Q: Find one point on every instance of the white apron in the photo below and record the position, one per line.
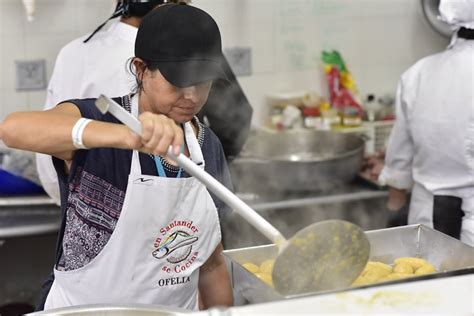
(167, 229)
(421, 212)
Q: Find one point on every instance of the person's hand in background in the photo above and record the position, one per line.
(372, 166)
(397, 207)
(396, 199)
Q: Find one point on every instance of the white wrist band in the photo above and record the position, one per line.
(77, 131)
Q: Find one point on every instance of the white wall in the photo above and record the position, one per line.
(56, 23)
(379, 39)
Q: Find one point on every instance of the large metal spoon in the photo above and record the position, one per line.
(326, 255)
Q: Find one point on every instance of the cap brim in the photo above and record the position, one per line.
(191, 72)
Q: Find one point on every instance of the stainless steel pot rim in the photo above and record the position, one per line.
(302, 161)
(97, 308)
(331, 158)
(298, 156)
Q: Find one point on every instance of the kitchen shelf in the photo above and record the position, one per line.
(318, 200)
(26, 200)
(22, 216)
(357, 190)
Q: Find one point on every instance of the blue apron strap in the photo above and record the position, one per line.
(159, 167)
(161, 170)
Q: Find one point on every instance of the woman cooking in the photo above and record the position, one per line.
(136, 228)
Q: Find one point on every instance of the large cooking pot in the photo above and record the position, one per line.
(302, 160)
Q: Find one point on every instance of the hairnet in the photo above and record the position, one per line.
(457, 13)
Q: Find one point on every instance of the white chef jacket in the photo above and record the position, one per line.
(432, 142)
(431, 147)
(86, 70)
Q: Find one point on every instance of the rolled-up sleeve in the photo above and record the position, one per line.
(397, 171)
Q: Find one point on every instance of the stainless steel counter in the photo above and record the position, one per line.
(28, 234)
(8, 201)
(444, 296)
(28, 216)
(354, 191)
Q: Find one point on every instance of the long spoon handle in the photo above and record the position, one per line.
(106, 104)
(229, 198)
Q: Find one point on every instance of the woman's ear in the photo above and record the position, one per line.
(138, 69)
(140, 66)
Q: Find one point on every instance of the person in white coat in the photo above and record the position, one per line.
(91, 65)
(431, 148)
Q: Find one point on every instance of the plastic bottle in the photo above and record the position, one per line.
(351, 117)
(312, 117)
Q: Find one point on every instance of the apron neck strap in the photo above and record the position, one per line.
(194, 148)
(466, 33)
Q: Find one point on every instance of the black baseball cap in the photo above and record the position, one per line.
(183, 42)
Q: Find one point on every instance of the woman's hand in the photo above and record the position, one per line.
(158, 133)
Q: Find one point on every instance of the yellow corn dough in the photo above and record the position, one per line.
(379, 266)
(414, 262)
(403, 268)
(265, 277)
(372, 272)
(406, 267)
(251, 267)
(395, 276)
(361, 281)
(425, 269)
(267, 266)
(376, 270)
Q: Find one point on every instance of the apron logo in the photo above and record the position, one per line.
(172, 244)
(176, 246)
(143, 181)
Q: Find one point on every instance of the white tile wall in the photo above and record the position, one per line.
(14, 49)
(379, 39)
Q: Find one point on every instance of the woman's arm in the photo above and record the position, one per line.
(50, 131)
(214, 282)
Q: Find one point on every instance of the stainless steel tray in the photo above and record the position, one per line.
(444, 252)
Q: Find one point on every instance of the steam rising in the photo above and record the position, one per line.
(369, 214)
